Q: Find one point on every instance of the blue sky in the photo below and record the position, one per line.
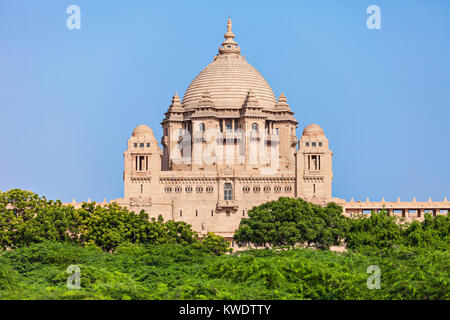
(69, 99)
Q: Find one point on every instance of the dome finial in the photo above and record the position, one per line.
(229, 25)
(229, 45)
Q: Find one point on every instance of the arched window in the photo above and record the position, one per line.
(227, 191)
(255, 127)
(202, 127)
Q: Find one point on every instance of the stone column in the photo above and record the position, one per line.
(420, 213)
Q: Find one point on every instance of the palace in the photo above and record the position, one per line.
(229, 145)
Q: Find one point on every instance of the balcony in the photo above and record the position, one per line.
(313, 172)
(225, 204)
(140, 174)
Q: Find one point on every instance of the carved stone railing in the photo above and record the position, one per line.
(223, 204)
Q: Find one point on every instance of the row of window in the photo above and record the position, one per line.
(228, 128)
(188, 189)
(247, 189)
(227, 212)
(141, 145)
(227, 189)
(313, 144)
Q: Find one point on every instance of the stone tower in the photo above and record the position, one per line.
(314, 172)
(142, 165)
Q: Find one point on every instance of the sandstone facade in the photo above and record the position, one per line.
(229, 145)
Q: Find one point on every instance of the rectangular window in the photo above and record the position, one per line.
(141, 163)
(227, 191)
(141, 145)
(307, 144)
(320, 144)
(135, 145)
(276, 131)
(228, 126)
(314, 161)
(313, 144)
(228, 213)
(181, 213)
(196, 213)
(243, 213)
(148, 144)
(212, 213)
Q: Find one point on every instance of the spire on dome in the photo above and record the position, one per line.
(206, 99)
(282, 102)
(176, 104)
(229, 45)
(176, 98)
(250, 99)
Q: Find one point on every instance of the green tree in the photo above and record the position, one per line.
(289, 221)
(26, 218)
(216, 244)
(18, 209)
(179, 232)
(109, 226)
(379, 230)
(432, 232)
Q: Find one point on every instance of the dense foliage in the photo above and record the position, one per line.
(123, 255)
(174, 271)
(26, 218)
(290, 221)
(216, 244)
(383, 231)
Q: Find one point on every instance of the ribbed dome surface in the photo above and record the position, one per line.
(313, 130)
(142, 130)
(228, 80)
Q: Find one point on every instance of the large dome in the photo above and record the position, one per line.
(228, 79)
